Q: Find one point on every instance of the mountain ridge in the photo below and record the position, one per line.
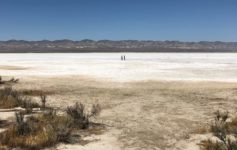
(87, 45)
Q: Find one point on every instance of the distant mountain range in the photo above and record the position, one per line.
(87, 45)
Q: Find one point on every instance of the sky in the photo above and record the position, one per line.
(182, 20)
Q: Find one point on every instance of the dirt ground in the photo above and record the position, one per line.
(163, 115)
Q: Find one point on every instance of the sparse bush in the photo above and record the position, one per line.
(79, 115)
(211, 145)
(61, 124)
(43, 100)
(35, 133)
(220, 128)
(95, 111)
(12, 80)
(223, 130)
(46, 128)
(42, 130)
(22, 127)
(10, 98)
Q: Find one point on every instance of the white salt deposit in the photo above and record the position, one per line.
(138, 66)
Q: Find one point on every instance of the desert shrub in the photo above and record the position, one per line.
(43, 100)
(220, 128)
(44, 128)
(10, 98)
(95, 110)
(47, 128)
(44, 136)
(12, 80)
(61, 125)
(79, 115)
(37, 132)
(225, 132)
(211, 145)
(22, 127)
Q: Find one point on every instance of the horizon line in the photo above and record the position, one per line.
(214, 41)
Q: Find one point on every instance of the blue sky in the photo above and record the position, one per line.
(184, 20)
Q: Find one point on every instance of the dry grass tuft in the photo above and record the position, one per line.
(79, 115)
(10, 98)
(37, 132)
(211, 145)
(48, 128)
(43, 99)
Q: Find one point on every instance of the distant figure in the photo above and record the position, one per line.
(124, 57)
(121, 57)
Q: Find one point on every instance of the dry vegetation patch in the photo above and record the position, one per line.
(48, 126)
(10, 98)
(35, 92)
(10, 81)
(224, 130)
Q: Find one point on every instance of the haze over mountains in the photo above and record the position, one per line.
(114, 46)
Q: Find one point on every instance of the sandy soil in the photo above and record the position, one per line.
(142, 115)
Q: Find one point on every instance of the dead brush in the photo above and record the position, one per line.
(12, 80)
(43, 99)
(79, 115)
(22, 127)
(45, 128)
(222, 130)
(211, 145)
(48, 128)
(95, 110)
(33, 133)
(10, 98)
